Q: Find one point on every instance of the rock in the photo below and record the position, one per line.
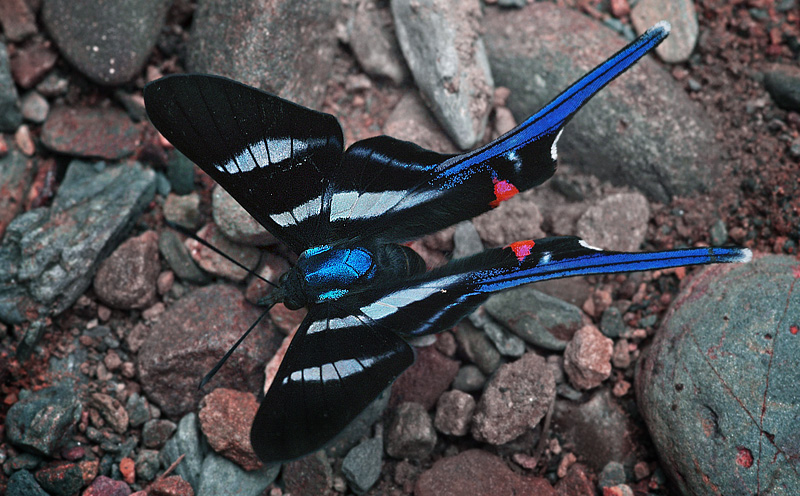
(216, 264)
(183, 210)
(219, 475)
(34, 107)
(442, 46)
(225, 418)
(32, 61)
(718, 386)
(371, 36)
(309, 475)
(477, 472)
(576, 483)
(621, 357)
(642, 130)
(362, 465)
(22, 483)
(466, 239)
(515, 399)
(611, 323)
(90, 132)
(44, 420)
(178, 258)
(506, 343)
(147, 464)
(469, 379)
(411, 120)
(410, 433)
(10, 115)
(454, 413)
(513, 220)
(229, 38)
(156, 432)
(106, 486)
(618, 222)
(100, 40)
(235, 223)
(64, 479)
(192, 336)
(536, 317)
(180, 172)
(681, 15)
(477, 347)
(127, 278)
(138, 410)
(18, 20)
(613, 474)
(186, 441)
(423, 382)
(599, 430)
(783, 84)
(111, 410)
(16, 173)
(173, 485)
(587, 358)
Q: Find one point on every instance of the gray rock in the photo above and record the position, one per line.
(513, 220)
(611, 323)
(186, 441)
(370, 34)
(22, 483)
(44, 420)
(362, 465)
(178, 258)
(469, 379)
(718, 387)
(18, 20)
(642, 130)
(16, 173)
(441, 43)
(617, 222)
(34, 107)
(156, 432)
(783, 84)
(410, 433)
(719, 233)
(183, 210)
(613, 474)
(219, 475)
(411, 120)
(180, 172)
(91, 132)
(515, 400)
(48, 256)
(681, 14)
(477, 347)
(536, 317)
(109, 41)
(506, 343)
(147, 464)
(10, 115)
(235, 223)
(466, 239)
(280, 46)
(190, 338)
(138, 410)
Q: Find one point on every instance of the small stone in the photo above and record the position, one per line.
(22, 483)
(147, 464)
(34, 107)
(587, 358)
(617, 222)
(641, 470)
(621, 388)
(410, 433)
(127, 468)
(362, 465)
(90, 132)
(18, 20)
(173, 485)
(613, 474)
(32, 61)
(156, 432)
(469, 379)
(235, 223)
(454, 413)
(423, 382)
(215, 263)
(225, 418)
(477, 347)
(43, 420)
(106, 486)
(111, 410)
(24, 141)
(566, 462)
(611, 323)
(183, 210)
(621, 357)
(309, 475)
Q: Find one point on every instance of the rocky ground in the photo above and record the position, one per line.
(668, 382)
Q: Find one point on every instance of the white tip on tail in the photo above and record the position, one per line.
(588, 246)
(662, 26)
(747, 255)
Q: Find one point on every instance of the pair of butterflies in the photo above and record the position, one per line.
(345, 212)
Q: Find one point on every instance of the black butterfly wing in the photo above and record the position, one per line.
(397, 191)
(335, 366)
(273, 156)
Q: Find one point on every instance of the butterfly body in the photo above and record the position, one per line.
(346, 214)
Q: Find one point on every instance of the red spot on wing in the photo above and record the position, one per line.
(503, 190)
(744, 458)
(522, 248)
(794, 329)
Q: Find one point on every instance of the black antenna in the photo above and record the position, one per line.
(232, 348)
(189, 233)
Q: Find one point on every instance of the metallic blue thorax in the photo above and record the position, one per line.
(329, 273)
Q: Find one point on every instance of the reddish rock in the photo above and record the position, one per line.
(18, 19)
(235, 223)
(106, 486)
(127, 468)
(426, 380)
(476, 472)
(112, 411)
(30, 63)
(215, 263)
(620, 8)
(309, 475)
(576, 483)
(173, 485)
(286, 320)
(587, 358)
(127, 278)
(90, 132)
(412, 121)
(189, 339)
(454, 413)
(410, 433)
(515, 400)
(63, 478)
(225, 418)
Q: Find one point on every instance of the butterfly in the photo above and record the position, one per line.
(346, 214)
